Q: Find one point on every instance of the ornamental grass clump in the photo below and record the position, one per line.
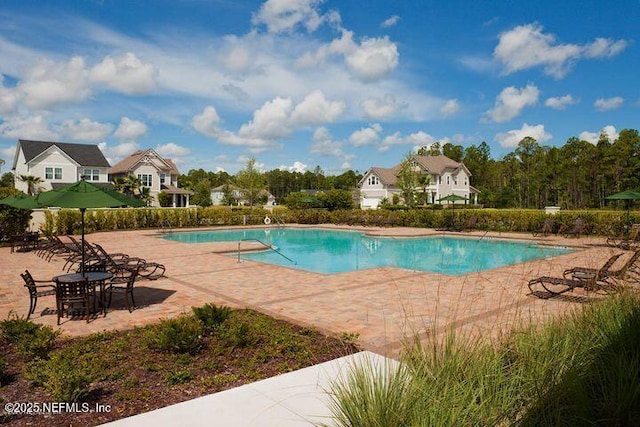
(583, 369)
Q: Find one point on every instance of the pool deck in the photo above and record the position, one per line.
(383, 306)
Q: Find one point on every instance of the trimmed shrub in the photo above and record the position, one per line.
(182, 334)
(211, 316)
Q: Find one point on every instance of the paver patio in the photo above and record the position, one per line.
(383, 305)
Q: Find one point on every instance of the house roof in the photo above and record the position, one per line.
(438, 164)
(127, 165)
(387, 175)
(172, 189)
(83, 154)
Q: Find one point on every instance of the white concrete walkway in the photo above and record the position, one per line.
(298, 398)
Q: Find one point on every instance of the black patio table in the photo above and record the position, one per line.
(94, 278)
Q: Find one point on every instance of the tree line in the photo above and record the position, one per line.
(576, 175)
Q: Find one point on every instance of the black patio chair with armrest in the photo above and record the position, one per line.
(74, 297)
(597, 282)
(36, 288)
(125, 288)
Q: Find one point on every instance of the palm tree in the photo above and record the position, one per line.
(32, 183)
(128, 185)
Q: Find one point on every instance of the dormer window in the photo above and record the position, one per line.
(373, 180)
(162, 178)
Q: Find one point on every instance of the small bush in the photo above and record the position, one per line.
(64, 376)
(180, 376)
(211, 316)
(38, 344)
(30, 339)
(180, 335)
(240, 335)
(15, 328)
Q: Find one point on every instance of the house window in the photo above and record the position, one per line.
(91, 174)
(448, 180)
(145, 179)
(162, 178)
(465, 181)
(53, 173)
(455, 181)
(440, 180)
(373, 180)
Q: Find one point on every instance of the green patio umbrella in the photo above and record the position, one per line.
(20, 201)
(80, 195)
(627, 196)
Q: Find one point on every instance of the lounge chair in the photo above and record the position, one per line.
(36, 290)
(590, 282)
(146, 269)
(547, 228)
(579, 228)
(628, 242)
(621, 274)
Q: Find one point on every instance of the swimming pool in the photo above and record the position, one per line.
(336, 251)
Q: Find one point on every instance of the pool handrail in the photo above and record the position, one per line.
(268, 246)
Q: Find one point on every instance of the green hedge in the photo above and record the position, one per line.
(598, 222)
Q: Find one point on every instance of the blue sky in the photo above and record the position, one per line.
(300, 83)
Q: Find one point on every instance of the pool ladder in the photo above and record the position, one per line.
(266, 245)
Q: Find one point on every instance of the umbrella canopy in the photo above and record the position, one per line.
(451, 198)
(20, 201)
(624, 195)
(627, 195)
(81, 195)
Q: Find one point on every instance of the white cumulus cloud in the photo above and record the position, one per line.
(126, 74)
(560, 102)
(49, 83)
(416, 139)
(370, 59)
(366, 136)
(527, 46)
(286, 15)
(381, 108)
(511, 101)
(207, 122)
(32, 127)
(85, 130)
(390, 22)
(449, 107)
(323, 144)
(171, 149)
(296, 167)
(607, 104)
(513, 137)
(315, 109)
(130, 130)
(609, 131)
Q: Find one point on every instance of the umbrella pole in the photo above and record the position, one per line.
(82, 210)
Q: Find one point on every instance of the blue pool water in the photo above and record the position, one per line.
(333, 251)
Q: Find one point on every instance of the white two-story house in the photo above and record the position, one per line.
(155, 172)
(57, 164)
(446, 177)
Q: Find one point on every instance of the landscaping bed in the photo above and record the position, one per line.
(113, 375)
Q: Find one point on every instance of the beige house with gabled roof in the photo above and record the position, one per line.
(155, 172)
(446, 177)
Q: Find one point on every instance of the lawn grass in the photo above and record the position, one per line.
(583, 369)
